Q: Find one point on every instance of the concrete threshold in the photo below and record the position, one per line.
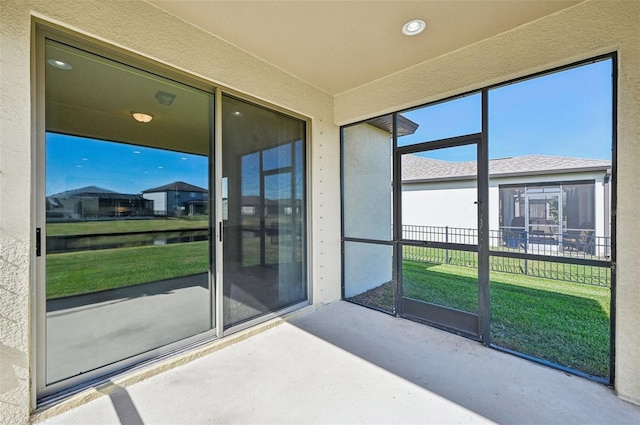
(345, 364)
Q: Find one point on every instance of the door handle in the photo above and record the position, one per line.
(38, 242)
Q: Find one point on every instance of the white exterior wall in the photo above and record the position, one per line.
(602, 219)
(583, 31)
(367, 204)
(367, 183)
(146, 30)
(159, 201)
(440, 204)
(366, 266)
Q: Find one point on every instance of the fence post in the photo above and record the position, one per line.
(526, 244)
(446, 239)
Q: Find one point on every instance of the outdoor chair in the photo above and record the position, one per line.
(580, 240)
(516, 234)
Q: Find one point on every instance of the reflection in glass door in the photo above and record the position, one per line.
(439, 242)
(264, 268)
(126, 213)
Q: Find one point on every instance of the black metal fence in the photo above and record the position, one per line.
(574, 244)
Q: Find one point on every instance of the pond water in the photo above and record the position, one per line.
(87, 242)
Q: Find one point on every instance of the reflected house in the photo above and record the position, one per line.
(275, 217)
(272, 207)
(178, 199)
(555, 203)
(92, 202)
(251, 206)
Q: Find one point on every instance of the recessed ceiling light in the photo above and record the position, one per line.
(141, 117)
(59, 64)
(237, 113)
(414, 27)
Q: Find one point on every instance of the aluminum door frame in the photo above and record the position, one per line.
(471, 325)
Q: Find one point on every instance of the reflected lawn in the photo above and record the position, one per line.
(84, 272)
(126, 225)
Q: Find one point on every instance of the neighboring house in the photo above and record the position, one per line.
(526, 193)
(95, 202)
(177, 199)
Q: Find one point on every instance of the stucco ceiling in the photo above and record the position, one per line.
(340, 45)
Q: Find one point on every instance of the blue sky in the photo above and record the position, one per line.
(566, 114)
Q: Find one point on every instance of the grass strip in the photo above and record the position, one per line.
(84, 272)
(125, 226)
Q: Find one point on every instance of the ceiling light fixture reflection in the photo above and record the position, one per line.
(59, 64)
(414, 27)
(141, 117)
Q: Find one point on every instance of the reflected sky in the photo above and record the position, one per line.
(76, 162)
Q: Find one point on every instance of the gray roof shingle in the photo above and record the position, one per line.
(93, 192)
(416, 167)
(176, 186)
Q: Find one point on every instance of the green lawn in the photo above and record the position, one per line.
(563, 322)
(83, 272)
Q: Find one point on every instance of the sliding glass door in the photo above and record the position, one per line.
(127, 212)
(264, 267)
(137, 255)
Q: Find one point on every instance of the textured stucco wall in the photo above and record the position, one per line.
(367, 207)
(583, 31)
(144, 29)
(367, 183)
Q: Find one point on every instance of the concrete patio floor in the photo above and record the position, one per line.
(345, 364)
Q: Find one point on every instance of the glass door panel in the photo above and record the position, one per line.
(127, 213)
(264, 267)
(439, 244)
